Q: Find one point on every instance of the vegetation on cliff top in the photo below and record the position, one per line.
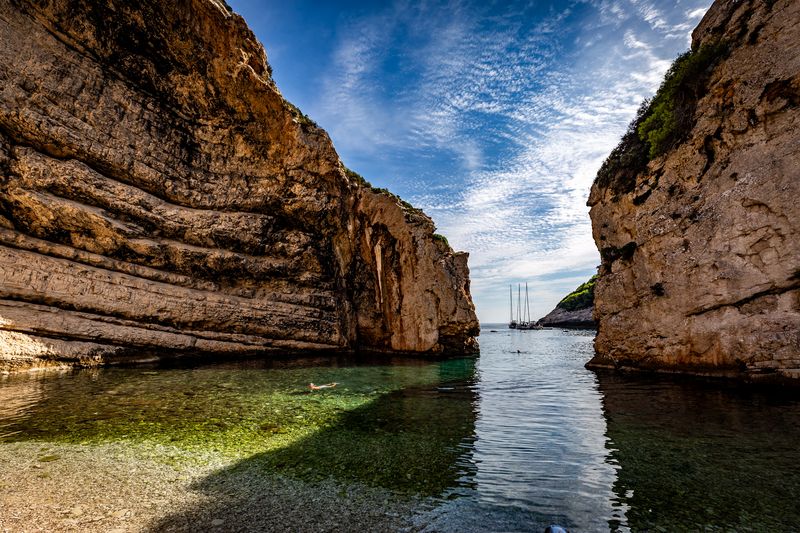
(441, 238)
(301, 117)
(663, 121)
(354, 176)
(580, 298)
(670, 116)
(409, 209)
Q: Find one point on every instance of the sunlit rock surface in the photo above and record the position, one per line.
(701, 257)
(158, 196)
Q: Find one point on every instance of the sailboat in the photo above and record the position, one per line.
(523, 319)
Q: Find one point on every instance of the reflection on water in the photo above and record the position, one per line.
(540, 439)
(703, 456)
(523, 437)
(17, 397)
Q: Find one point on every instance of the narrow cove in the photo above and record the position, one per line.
(519, 438)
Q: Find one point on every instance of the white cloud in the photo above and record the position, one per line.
(696, 13)
(525, 120)
(632, 42)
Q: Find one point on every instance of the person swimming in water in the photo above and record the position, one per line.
(319, 387)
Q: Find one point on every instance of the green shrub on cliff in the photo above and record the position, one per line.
(628, 159)
(441, 238)
(663, 121)
(301, 117)
(670, 116)
(354, 176)
(580, 298)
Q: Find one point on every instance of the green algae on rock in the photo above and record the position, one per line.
(383, 426)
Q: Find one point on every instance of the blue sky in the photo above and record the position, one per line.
(491, 116)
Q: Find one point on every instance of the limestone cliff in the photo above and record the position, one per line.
(701, 245)
(159, 196)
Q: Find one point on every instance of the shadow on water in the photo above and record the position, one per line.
(703, 456)
(389, 433)
(412, 442)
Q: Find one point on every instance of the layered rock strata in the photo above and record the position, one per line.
(701, 251)
(158, 196)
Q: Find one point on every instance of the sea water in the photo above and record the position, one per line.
(519, 438)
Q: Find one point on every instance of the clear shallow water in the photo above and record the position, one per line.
(522, 437)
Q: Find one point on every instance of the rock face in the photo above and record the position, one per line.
(159, 196)
(562, 318)
(701, 251)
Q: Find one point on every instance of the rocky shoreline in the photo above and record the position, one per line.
(121, 488)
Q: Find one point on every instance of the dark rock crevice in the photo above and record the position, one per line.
(738, 304)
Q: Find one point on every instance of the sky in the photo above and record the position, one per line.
(493, 117)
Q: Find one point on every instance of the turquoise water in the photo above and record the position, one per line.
(520, 438)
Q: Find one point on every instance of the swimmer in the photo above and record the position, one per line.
(319, 387)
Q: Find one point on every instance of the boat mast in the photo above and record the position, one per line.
(527, 304)
(519, 303)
